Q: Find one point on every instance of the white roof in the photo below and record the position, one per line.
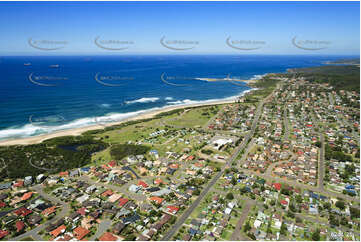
(257, 223)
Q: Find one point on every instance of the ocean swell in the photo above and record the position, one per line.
(29, 130)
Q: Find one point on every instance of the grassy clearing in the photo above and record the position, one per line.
(194, 117)
(101, 156)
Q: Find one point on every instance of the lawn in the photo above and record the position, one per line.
(226, 234)
(103, 155)
(27, 239)
(193, 117)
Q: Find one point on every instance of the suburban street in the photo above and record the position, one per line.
(237, 235)
(321, 164)
(172, 231)
(102, 228)
(65, 208)
(301, 185)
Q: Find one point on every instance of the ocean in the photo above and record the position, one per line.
(44, 94)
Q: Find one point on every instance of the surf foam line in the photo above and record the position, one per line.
(30, 130)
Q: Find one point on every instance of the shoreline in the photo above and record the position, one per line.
(147, 114)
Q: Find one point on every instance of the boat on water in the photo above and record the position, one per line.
(54, 66)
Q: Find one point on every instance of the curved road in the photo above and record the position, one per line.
(64, 212)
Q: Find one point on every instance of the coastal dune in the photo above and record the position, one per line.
(79, 131)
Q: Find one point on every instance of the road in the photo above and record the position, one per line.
(102, 228)
(171, 232)
(344, 123)
(285, 123)
(237, 235)
(246, 210)
(301, 185)
(273, 165)
(64, 212)
(321, 164)
(245, 154)
(122, 189)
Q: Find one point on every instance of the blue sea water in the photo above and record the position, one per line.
(43, 94)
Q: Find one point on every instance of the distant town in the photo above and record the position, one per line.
(279, 163)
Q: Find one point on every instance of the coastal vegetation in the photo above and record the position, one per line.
(115, 142)
(345, 77)
(121, 151)
(50, 156)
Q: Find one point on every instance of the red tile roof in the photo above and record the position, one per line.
(49, 211)
(3, 233)
(59, 230)
(284, 202)
(174, 166)
(112, 163)
(64, 173)
(19, 226)
(107, 237)
(191, 157)
(172, 209)
(106, 167)
(22, 212)
(156, 199)
(26, 196)
(81, 211)
(122, 201)
(2, 204)
(143, 184)
(19, 184)
(158, 181)
(277, 186)
(80, 232)
(107, 193)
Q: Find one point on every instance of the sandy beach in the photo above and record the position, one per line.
(78, 131)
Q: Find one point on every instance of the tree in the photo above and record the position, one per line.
(316, 235)
(299, 199)
(251, 235)
(334, 221)
(327, 206)
(340, 204)
(243, 190)
(196, 192)
(234, 181)
(355, 212)
(290, 214)
(229, 196)
(292, 208)
(246, 227)
(283, 229)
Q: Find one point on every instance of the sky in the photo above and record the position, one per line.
(74, 28)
